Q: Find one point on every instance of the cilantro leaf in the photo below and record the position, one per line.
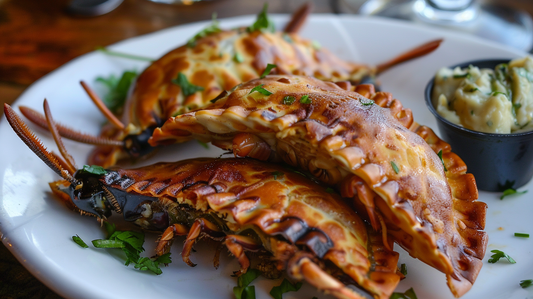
(261, 90)
(498, 255)
(94, 169)
(262, 23)
(440, 156)
(242, 290)
(305, 99)
(284, 287)
(117, 89)
(288, 100)
(409, 294)
(245, 279)
(79, 241)
(526, 283)
(394, 167)
(186, 87)
(123, 55)
(268, 69)
(511, 191)
(212, 28)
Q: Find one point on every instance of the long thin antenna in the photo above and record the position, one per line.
(53, 129)
(27, 136)
(66, 132)
(102, 107)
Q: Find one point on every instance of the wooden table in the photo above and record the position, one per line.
(36, 37)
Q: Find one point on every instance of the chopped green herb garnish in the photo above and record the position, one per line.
(267, 70)
(366, 102)
(94, 169)
(276, 174)
(521, 235)
(498, 255)
(238, 57)
(131, 243)
(409, 294)
(394, 167)
(458, 76)
(285, 286)
(305, 99)
(495, 93)
(471, 112)
(526, 283)
(261, 90)
(473, 89)
(242, 290)
(489, 123)
(330, 190)
(440, 156)
(186, 87)
(110, 228)
(212, 28)
(205, 145)
(108, 243)
(123, 55)
(79, 241)
(511, 191)
(117, 90)
(403, 269)
(288, 100)
(263, 23)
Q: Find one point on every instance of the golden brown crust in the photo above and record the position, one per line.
(340, 134)
(248, 193)
(211, 64)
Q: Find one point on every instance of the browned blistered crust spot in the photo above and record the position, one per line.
(429, 199)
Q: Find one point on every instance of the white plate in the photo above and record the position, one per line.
(37, 228)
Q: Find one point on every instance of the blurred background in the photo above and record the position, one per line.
(37, 37)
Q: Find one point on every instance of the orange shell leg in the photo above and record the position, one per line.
(200, 226)
(301, 267)
(165, 241)
(236, 245)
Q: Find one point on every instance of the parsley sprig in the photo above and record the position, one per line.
(442, 160)
(117, 89)
(212, 28)
(499, 255)
(243, 290)
(262, 23)
(131, 243)
(187, 88)
(511, 191)
(79, 241)
(285, 286)
(526, 283)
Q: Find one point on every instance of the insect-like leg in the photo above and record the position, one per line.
(200, 226)
(302, 267)
(236, 245)
(252, 146)
(165, 241)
